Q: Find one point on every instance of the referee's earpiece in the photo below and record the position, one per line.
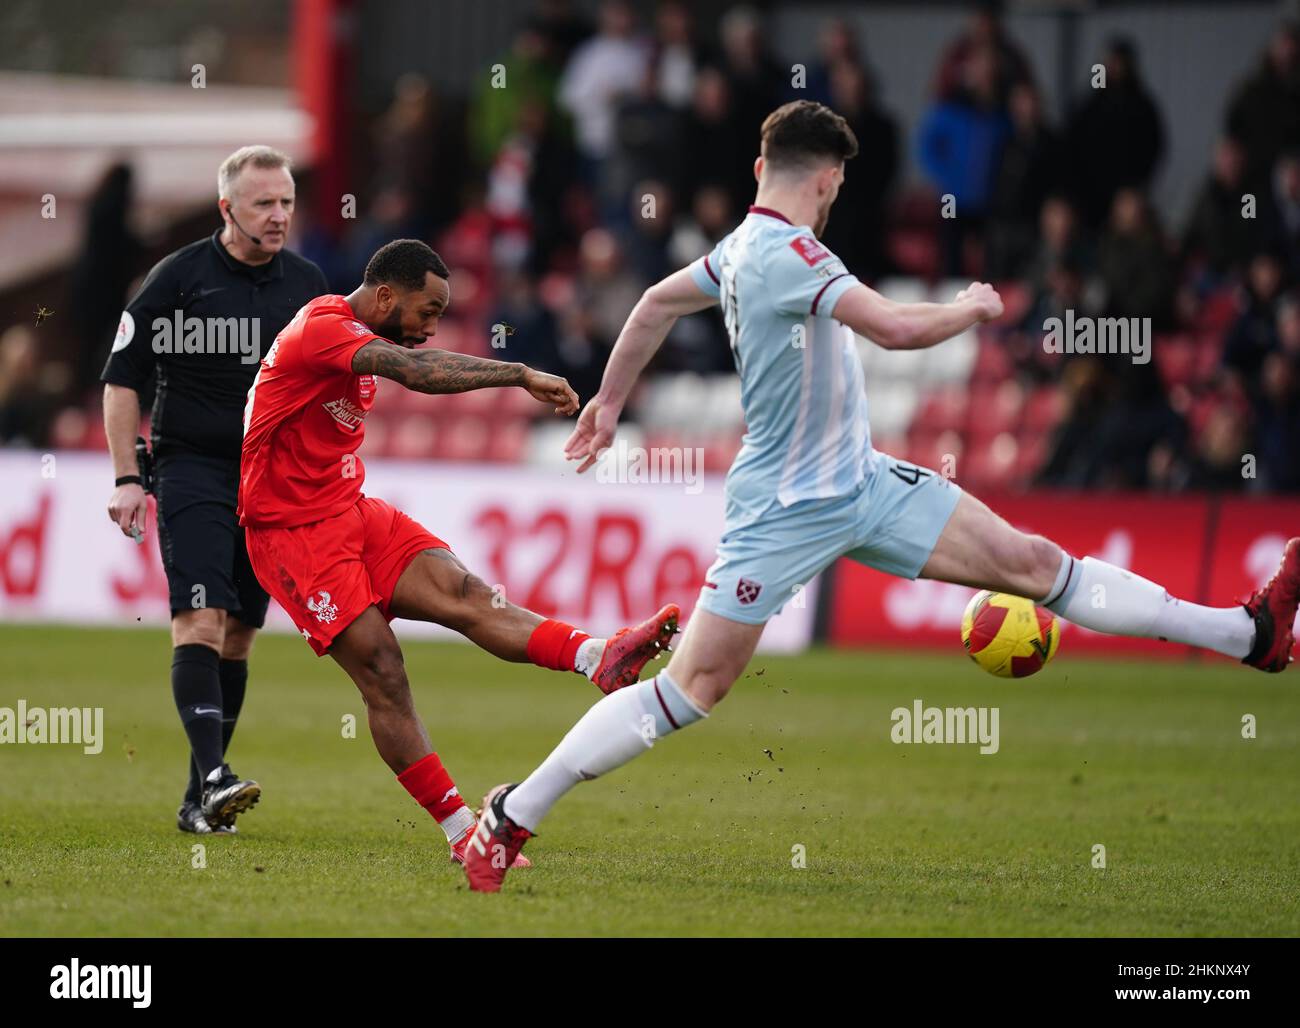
(230, 210)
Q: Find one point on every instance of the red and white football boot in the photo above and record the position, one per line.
(494, 844)
(1274, 609)
(631, 649)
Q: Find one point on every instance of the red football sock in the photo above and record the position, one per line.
(554, 645)
(431, 786)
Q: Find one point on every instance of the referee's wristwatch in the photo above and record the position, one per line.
(129, 480)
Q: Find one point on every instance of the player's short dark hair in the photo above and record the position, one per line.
(803, 132)
(404, 263)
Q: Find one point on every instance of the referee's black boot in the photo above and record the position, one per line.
(226, 795)
(190, 819)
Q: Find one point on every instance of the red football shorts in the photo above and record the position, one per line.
(324, 574)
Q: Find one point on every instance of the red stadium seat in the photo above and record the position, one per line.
(1219, 310)
(934, 449)
(508, 440)
(480, 401)
(413, 438)
(1032, 453)
(992, 362)
(915, 251)
(1175, 358)
(1044, 409)
(1209, 355)
(944, 408)
(994, 410)
(69, 428)
(463, 438)
(991, 466)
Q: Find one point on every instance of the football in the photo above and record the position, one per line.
(1009, 636)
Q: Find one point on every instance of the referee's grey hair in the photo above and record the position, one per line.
(257, 156)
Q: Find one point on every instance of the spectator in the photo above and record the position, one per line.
(1264, 113)
(1115, 138)
(1116, 419)
(960, 147)
(1133, 263)
(1277, 414)
(677, 56)
(856, 234)
(650, 216)
(603, 70)
(27, 390)
(839, 46)
(534, 339)
(1254, 333)
(722, 151)
(1030, 169)
(758, 84)
(984, 33)
(711, 218)
(552, 184)
(391, 216)
(1217, 234)
(1060, 288)
(603, 295)
(1059, 239)
(564, 28)
(532, 77)
(419, 149)
(109, 259)
(699, 344)
(1215, 464)
(647, 144)
(1279, 212)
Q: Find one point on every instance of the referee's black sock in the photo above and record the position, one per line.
(196, 687)
(234, 680)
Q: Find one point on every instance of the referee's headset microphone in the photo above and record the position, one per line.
(230, 210)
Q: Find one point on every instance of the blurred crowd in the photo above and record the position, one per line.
(598, 156)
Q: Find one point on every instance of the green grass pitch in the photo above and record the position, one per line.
(1201, 827)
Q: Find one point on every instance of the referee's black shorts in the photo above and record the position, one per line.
(202, 543)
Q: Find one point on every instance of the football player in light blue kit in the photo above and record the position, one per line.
(807, 486)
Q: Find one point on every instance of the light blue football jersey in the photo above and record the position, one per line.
(801, 383)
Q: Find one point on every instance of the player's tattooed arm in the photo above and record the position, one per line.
(439, 371)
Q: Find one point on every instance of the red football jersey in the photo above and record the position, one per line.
(305, 419)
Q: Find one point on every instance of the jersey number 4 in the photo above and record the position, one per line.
(910, 475)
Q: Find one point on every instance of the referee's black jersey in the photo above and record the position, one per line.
(198, 328)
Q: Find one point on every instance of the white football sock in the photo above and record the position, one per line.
(623, 725)
(456, 825)
(1109, 599)
(587, 659)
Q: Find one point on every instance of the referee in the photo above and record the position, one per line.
(197, 329)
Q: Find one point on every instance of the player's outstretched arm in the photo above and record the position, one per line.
(644, 332)
(440, 371)
(914, 326)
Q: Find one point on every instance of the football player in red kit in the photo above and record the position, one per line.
(343, 564)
